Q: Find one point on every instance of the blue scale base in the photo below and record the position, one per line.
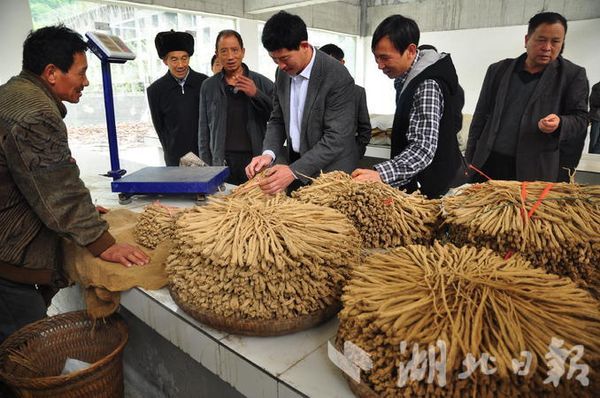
(173, 180)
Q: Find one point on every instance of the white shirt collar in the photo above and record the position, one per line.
(308, 69)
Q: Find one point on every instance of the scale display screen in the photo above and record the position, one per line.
(111, 46)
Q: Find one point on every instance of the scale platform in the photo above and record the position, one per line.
(171, 180)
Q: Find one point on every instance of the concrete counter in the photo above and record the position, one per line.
(215, 363)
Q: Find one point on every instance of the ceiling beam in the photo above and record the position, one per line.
(269, 6)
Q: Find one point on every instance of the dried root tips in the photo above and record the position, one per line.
(562, 235)
(256, 259)
(156, 224)
(384, 216)
(251, 190)
(476, 302)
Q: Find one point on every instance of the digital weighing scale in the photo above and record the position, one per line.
(149, 180)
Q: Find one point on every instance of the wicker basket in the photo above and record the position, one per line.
(362, 389)
(32, 358)
(258, 327)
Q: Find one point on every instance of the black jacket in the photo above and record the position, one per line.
(213, 116)
(562, 90)
(447, 163)
(175, 114)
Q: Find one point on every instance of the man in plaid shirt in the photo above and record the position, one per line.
(429, 101)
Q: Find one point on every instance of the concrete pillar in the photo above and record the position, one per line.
(15, 24)
(249, 31)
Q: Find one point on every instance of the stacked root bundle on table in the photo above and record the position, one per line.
(554, 226)
(476, 303)
(258, 259)
(384, 216)
(156, 224)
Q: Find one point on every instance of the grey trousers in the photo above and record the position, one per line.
(19, 305)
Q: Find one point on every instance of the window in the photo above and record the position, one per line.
(86, 120)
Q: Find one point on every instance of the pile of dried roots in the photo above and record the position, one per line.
(384, 216)
(476, 303)
(554, 226)
(257, 259)
(156, 224)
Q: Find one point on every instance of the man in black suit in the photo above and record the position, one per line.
(532, 110)
(174, 99)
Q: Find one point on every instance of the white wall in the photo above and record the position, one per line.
(473, 50)
(15, 24)
(248, 30)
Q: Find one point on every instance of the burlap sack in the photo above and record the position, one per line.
(104, 281)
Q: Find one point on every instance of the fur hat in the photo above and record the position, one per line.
(173, 41)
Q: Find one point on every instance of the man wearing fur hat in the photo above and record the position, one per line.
(174, 98)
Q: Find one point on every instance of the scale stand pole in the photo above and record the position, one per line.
(116, 172)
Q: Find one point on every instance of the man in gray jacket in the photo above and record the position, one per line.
(363, 122)
(235, 105)
(528, 106)
(313, 110)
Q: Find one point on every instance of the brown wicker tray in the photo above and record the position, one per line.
(31, 359)
(258, 327)
(361, 390)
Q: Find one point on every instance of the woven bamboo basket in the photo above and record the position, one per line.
(361, 390)
(32, 358)
(258, 327)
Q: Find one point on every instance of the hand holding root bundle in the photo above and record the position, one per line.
(251, 189)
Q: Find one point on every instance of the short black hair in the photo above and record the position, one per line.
(226, 33)
(546, 17)
(401, 31)
(51, 45)
(212, 60)
(284, 30)
(334, 51)
(426, 47)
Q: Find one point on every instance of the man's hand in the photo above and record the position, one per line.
(101, 209)
(257, 164)
(125, 254)
(549, 124)
(277, 179)
(246, 85)
(366, 175)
